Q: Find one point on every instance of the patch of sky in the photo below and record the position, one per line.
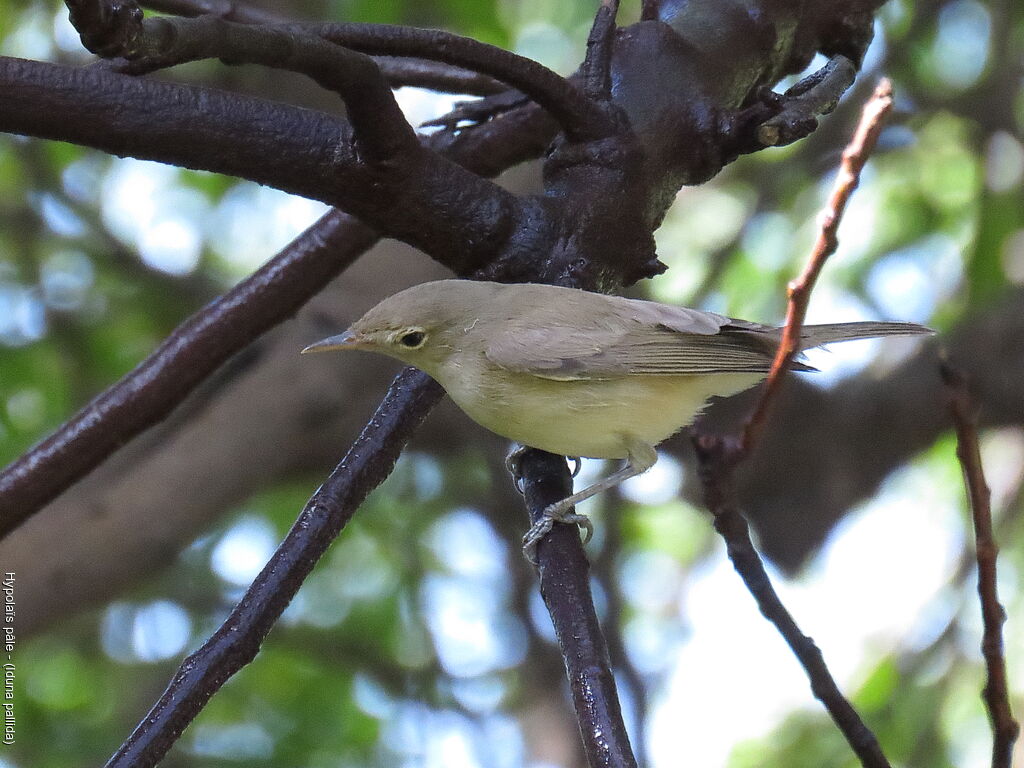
(473, 632)
(466, 543)
(58, 217)
(657, 485)
(961, 47)
(32, 37)
(148, 632)
(66, 278)
(243, 550)
(22, 315)
(853, 612)
(236, 742)
(909, 284)
(144, 205)
(420, 105)
(1004, 162)
(251, 223)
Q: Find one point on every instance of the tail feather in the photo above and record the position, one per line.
(817, 335)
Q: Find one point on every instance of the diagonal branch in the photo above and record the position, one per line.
(236, 643)
(184, 360)
(962, 409)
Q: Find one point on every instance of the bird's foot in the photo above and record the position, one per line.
(559, 512)
(513, 463)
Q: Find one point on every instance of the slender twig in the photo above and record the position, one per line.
(597, 66)
(236, 643)
(854, 158)
(719, 457)
(565, 587)
(996, 694)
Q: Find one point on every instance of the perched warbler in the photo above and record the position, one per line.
(577, 373)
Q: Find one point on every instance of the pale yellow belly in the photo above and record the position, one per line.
(596, 419)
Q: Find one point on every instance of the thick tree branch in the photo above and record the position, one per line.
(565, 587)
(113, 28)
(427, 201)
(236, 643)
(962, 409)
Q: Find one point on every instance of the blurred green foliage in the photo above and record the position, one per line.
(356, 675)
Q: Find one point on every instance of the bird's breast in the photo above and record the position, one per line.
(592, 418)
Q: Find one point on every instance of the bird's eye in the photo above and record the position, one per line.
(412, 339)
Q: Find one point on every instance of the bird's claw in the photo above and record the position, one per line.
(513, 463)
(556, 513)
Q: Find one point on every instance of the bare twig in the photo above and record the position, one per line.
(565, 587)
(854, 158)
(963, 411)
(719, 456)
(236, 643)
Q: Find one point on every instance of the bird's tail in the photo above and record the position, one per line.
(818, 335)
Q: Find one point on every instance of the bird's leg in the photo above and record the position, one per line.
(639, 459)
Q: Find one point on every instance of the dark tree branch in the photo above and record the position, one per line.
(579, 116)
(597, 66)
(397, 71)
(236, 643)
(112, 28)
(716, 465)
(815, 95)
(186, 358)
(205, 341)
(565, 587)
(427, 201)
(963, 411)
(718, 457)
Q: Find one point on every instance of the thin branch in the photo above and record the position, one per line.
(113, 28)
(236, 643)
(565, 587)
(854, 157)
(718, 457)
(716, 467)
(996, 694)
(597, 66)
(186, 358)
(580, 117)
(649, 10)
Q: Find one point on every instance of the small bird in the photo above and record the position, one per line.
(577, 373)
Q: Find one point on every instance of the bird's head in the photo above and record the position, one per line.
(420, 326)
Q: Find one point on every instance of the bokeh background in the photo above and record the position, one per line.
(420, 640)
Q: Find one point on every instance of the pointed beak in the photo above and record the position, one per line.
(347, 340)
